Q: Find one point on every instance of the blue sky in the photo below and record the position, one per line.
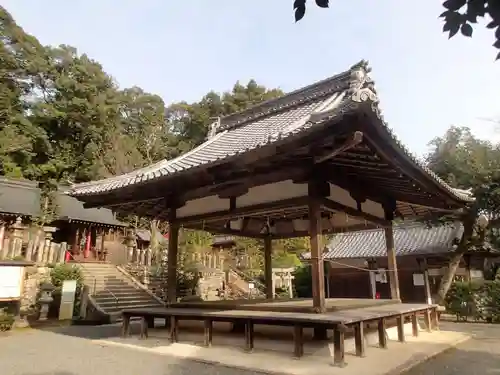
(183, 49)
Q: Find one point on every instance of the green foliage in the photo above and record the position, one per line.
(478, 300)
(62, 272)
(303, 282)
(467, 162)
(6, 320)
(284, 259)
(63, 118)
(192, 121)
(459, 15)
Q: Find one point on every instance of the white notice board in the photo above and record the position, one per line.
(11, 281)
(67, 299)
(418, 279)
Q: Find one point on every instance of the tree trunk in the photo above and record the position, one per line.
(456, 257)
(448, 277)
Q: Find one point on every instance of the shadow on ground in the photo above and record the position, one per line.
(457, 361)
(91, 332)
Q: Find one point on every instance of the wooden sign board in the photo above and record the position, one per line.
(11, 282)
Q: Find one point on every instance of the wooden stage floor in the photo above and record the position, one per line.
(297, 305)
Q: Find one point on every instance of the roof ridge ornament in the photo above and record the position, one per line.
(214, 126)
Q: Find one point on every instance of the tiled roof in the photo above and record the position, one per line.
(269, 122)
(70, 208)
(409, 239)
(19, 197)
(145, 235)
(22, 198)
(238, 135)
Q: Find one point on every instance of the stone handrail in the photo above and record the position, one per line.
(139, 284)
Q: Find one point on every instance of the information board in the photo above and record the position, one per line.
(11, 279)
(67, 299)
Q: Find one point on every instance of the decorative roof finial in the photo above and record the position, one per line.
(213, 128)
(363, 65)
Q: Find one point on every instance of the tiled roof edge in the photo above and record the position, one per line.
(324, 87)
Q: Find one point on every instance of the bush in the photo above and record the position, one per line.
(58, 275)
(303, 282)
(478, 300)
(6, 320)
(62, 272)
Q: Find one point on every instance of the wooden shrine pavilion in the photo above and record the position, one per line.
(318, 160)
(84, 230)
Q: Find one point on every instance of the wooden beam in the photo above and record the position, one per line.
(355, 139)
(268, 267)
(239, 185)
(339, 207)
(394, 157)
(351, 228)
(229, 231)
(258, 209)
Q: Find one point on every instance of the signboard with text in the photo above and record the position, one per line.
(67, 300)
(11, 281)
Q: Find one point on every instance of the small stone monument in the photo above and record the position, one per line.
(45, 299)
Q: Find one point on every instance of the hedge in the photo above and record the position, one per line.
(477, 300)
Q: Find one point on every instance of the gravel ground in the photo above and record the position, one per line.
(62, 351)
(478, 356)
(37, 352)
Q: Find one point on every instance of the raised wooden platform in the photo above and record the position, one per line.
(340, 321)
(296, 305)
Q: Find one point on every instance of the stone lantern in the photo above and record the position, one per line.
(45, 299)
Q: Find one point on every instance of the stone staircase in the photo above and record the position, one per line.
(239, 281)
(156, 283)
(112, 290)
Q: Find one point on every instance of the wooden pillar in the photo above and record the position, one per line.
(372, 266)
(424, 268)
(317, 268)
(268, 267)
(103, 240)
(76, 241)
(391, 251)
(130, 241)
(173, 239)
(88, 242)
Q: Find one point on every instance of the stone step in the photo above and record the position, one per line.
(119, 303)
(120, 307)
(119, 293)
(122, 290)
(130, 297)
(111, 282)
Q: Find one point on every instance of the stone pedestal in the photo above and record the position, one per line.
(16, 244)
(48, 243)
(130, 243)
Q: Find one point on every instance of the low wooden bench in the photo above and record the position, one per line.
(340, 323)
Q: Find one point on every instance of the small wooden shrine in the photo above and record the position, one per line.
(318, 160)
(84, 230)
